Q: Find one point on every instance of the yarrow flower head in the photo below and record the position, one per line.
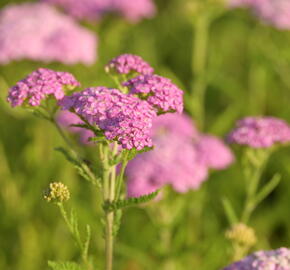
(213, 153)
(57, 192)
(66, 119)
(175, 159)
(278, 259)
(122, 117)
(40, 84)
(274, 12)
(128, 63)
(260, 132)
(242, 234)
(92, 10)
(39, 32)
(135, 10)
(158, 91)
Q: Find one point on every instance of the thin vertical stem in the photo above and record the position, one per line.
(109, 179)
(201, 27)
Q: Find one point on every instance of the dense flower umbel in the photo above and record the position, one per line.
(276, 12)
(129, 63)
(57, 192)
(278, 259)
(175, 159)
(39, 32)
(122, 117)
(158, 91)
(260, 132)
(67, 119)
(91, 10)
(40, 84)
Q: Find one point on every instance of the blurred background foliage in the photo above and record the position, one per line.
(247, 73)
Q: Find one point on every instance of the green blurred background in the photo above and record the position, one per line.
(247, 73)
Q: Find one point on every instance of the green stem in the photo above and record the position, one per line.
(120, 178)
(252, 187)
(201, 27)
(109, 178)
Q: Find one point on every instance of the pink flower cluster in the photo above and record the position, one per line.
(38, 32)
(122, 117)
(40, 84)
(158, 91)
(129, 63)
(260, 132)
(276, 12)
(278, 259)
(66, 119)
(181, 157)
(133, 11)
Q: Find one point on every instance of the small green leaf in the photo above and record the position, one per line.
(87, 241)
(119, 204)
(132, 153)
(267, 189)
(64, 265)
(69, 155)
(229, 211)
(117, 221)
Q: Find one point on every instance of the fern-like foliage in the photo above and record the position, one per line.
(119, 204)
(70, 157)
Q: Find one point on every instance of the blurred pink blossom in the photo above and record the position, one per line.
(132, 10)
(38, 32)
(181, 157)
(276, 12)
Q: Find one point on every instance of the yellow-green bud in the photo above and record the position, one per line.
(57, 192)
(242, 234)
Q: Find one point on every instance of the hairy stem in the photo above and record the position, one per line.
(109, 179)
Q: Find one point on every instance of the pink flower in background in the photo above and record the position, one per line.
(132, 10)
(122, 117)
(158, 91)
(213, 153)
(40, 84)
(278, 259)
(135, 10)
(83, 9)
(67, 118)
(129, 63)
(276, 12)
(260, 132)
(174, 124)
(181, 157)
(39, 32)
(173, 161)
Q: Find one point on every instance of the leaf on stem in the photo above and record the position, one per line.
(267, 189)
(229, 211)
(132, 153)
(87, 242)
(77, 164)
(119, 204)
